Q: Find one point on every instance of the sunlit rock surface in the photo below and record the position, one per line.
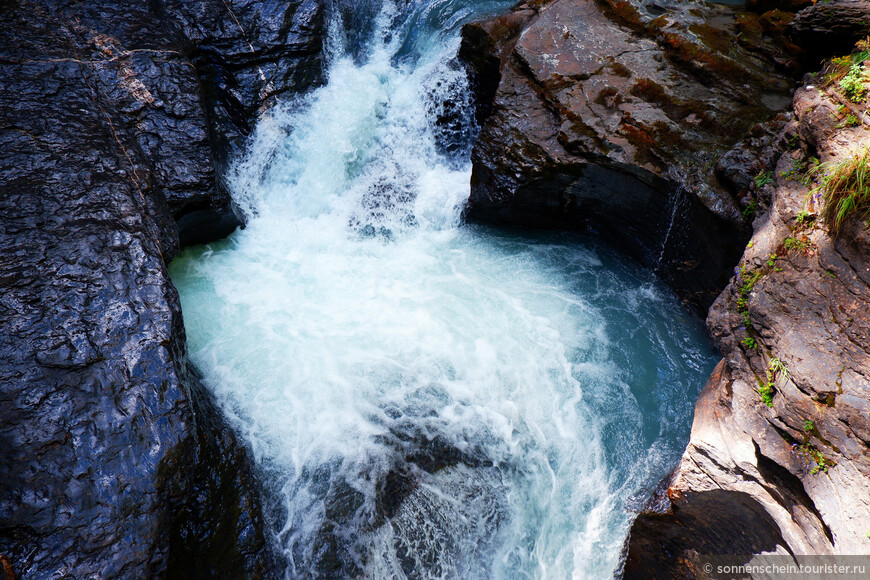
(802, 464)
(611, 117)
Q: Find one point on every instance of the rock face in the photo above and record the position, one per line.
(833, 27)
(113, 119)
(658, 128)
(611, 116)
(794, 329)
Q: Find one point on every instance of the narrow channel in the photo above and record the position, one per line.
(424, 397)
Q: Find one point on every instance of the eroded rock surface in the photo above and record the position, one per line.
(113, 118)
(794, 327)
(612, 115)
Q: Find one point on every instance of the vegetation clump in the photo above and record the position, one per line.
(849, 74)
(809, 452)
(796, 169)
(804, 217)
(849, 121)
(800, 244)
(766, 389)
(845, 187)
(763, 178)
(854, 83)
(746, 281)
(750, 210)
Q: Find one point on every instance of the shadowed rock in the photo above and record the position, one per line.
(115, 461)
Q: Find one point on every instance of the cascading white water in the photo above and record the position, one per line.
(423, 398)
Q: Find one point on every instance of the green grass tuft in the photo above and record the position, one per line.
(846, 190)
(763, 178)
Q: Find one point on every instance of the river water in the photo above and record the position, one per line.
(423, 397)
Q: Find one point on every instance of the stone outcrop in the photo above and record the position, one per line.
(611, 116)
(114, 120)
(832, 27)
(782, 430)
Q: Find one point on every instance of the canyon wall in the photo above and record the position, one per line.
(611, 117)
(783, 425)
(671, 131)
(114, 121)
(649, 125)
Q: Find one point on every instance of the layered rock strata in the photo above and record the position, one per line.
(831, 27)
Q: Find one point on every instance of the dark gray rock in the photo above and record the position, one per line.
(831, 28)
(762, 6)
(115, 461)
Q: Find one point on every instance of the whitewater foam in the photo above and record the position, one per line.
(425, 398)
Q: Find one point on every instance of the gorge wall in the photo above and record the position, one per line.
(667, 130)
(783, 426)
(114, 120)
(611, 117)
(647, 124)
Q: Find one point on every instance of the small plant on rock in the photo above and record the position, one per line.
(799, 244)
(839, 68)
(767, 391)
(854, 83)
(776, 366)
(845, 188)
(821, 464)
(804, 217)
(750, 210)
(796, 169)
(763, 178)
(850, 121)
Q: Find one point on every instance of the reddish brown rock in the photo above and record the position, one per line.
(611, 117)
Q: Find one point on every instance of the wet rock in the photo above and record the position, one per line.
(116, 463)
(249, 55)
(762, 6)
(393, 493)
(611, 116)
(831, 28)
(784, 418)
(744, 165)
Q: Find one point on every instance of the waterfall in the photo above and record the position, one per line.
(425, 398)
